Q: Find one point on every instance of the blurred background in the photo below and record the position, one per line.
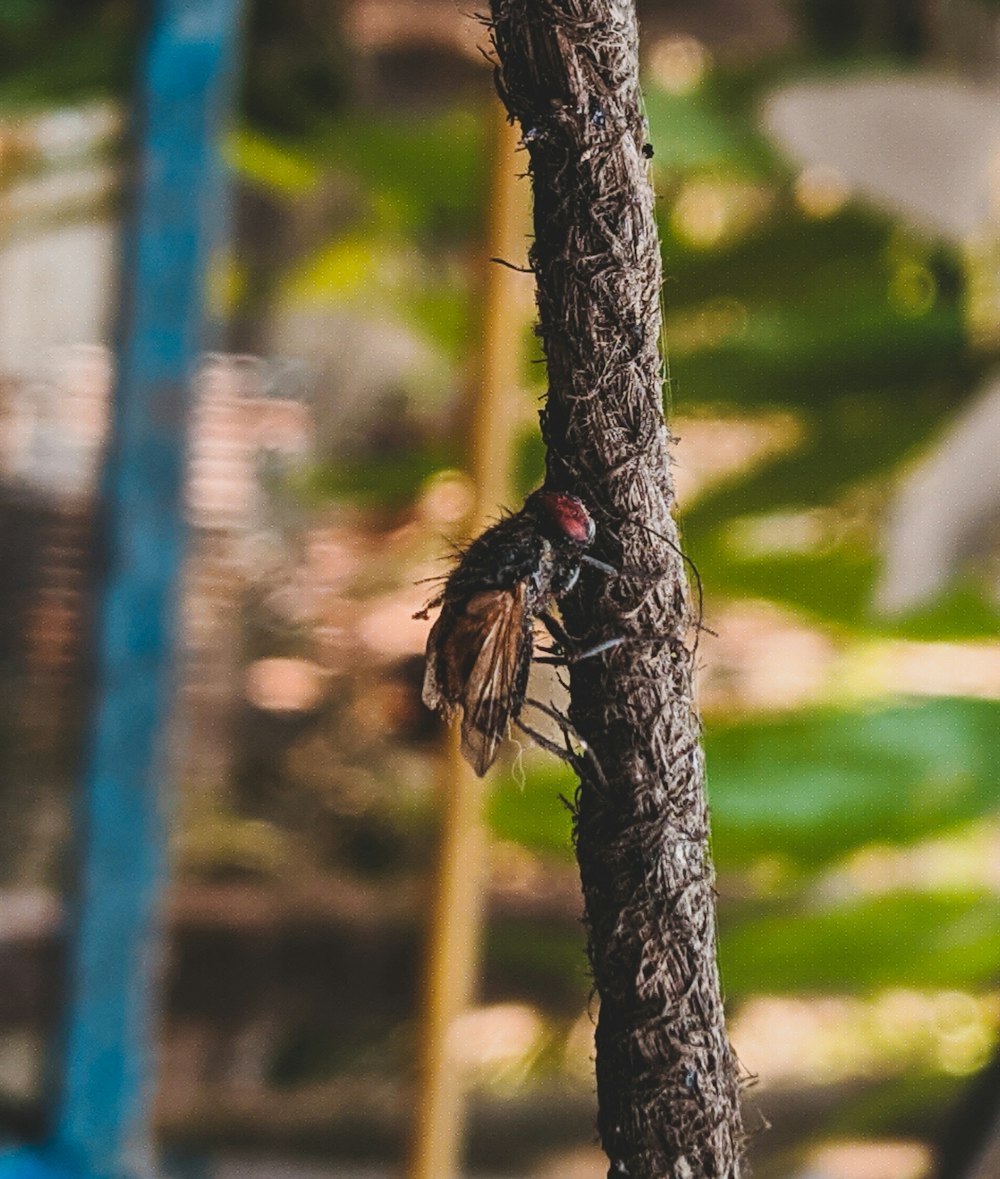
(828, 178)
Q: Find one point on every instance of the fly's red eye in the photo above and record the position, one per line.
(569, 515)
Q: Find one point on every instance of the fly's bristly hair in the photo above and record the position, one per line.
(480, 648)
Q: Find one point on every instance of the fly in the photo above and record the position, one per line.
(480, 648)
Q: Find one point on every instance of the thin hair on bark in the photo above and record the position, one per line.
(512, 266)
(699, 620)
(667, 1078)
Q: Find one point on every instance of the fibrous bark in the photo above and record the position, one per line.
(667, 1079)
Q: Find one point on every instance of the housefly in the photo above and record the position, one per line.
(480, 648)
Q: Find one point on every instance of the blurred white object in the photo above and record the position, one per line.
(928, 150)
(947, 509)
(925, 148)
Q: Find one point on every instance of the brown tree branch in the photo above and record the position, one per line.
(667, 1079)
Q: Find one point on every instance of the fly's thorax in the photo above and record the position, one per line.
(539, 547)
(571, 575)
(539, 581)
(556, 573)
(499, 558)
(565, 568)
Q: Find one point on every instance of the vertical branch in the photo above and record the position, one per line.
(667, 1081)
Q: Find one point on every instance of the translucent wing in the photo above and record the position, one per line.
(477, 659)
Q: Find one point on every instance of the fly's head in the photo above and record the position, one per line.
(562, 518)
(569, 529)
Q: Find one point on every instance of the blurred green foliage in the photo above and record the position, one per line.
(848, 324)
(810, 787)
(65, 49)
(697, 131)
(822, 326)
(852, 328)
(898, 940)
(798, 794)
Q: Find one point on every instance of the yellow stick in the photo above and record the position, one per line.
(456, 916)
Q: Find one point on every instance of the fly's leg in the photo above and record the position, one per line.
(597, 649)
(566, 650)
(604, 567)
(576, 757)
(557, 631)
(569, 755)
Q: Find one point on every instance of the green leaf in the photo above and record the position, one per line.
(903, 939)
(838, 586)
(810, 788)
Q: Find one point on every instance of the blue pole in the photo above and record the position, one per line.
(101, 1124)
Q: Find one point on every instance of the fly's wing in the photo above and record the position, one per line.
(478, 658)
(494, 690)
(432, 695)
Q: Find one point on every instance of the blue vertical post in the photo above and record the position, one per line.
(104, 1069)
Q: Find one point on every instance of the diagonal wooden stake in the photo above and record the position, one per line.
(456, 915)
